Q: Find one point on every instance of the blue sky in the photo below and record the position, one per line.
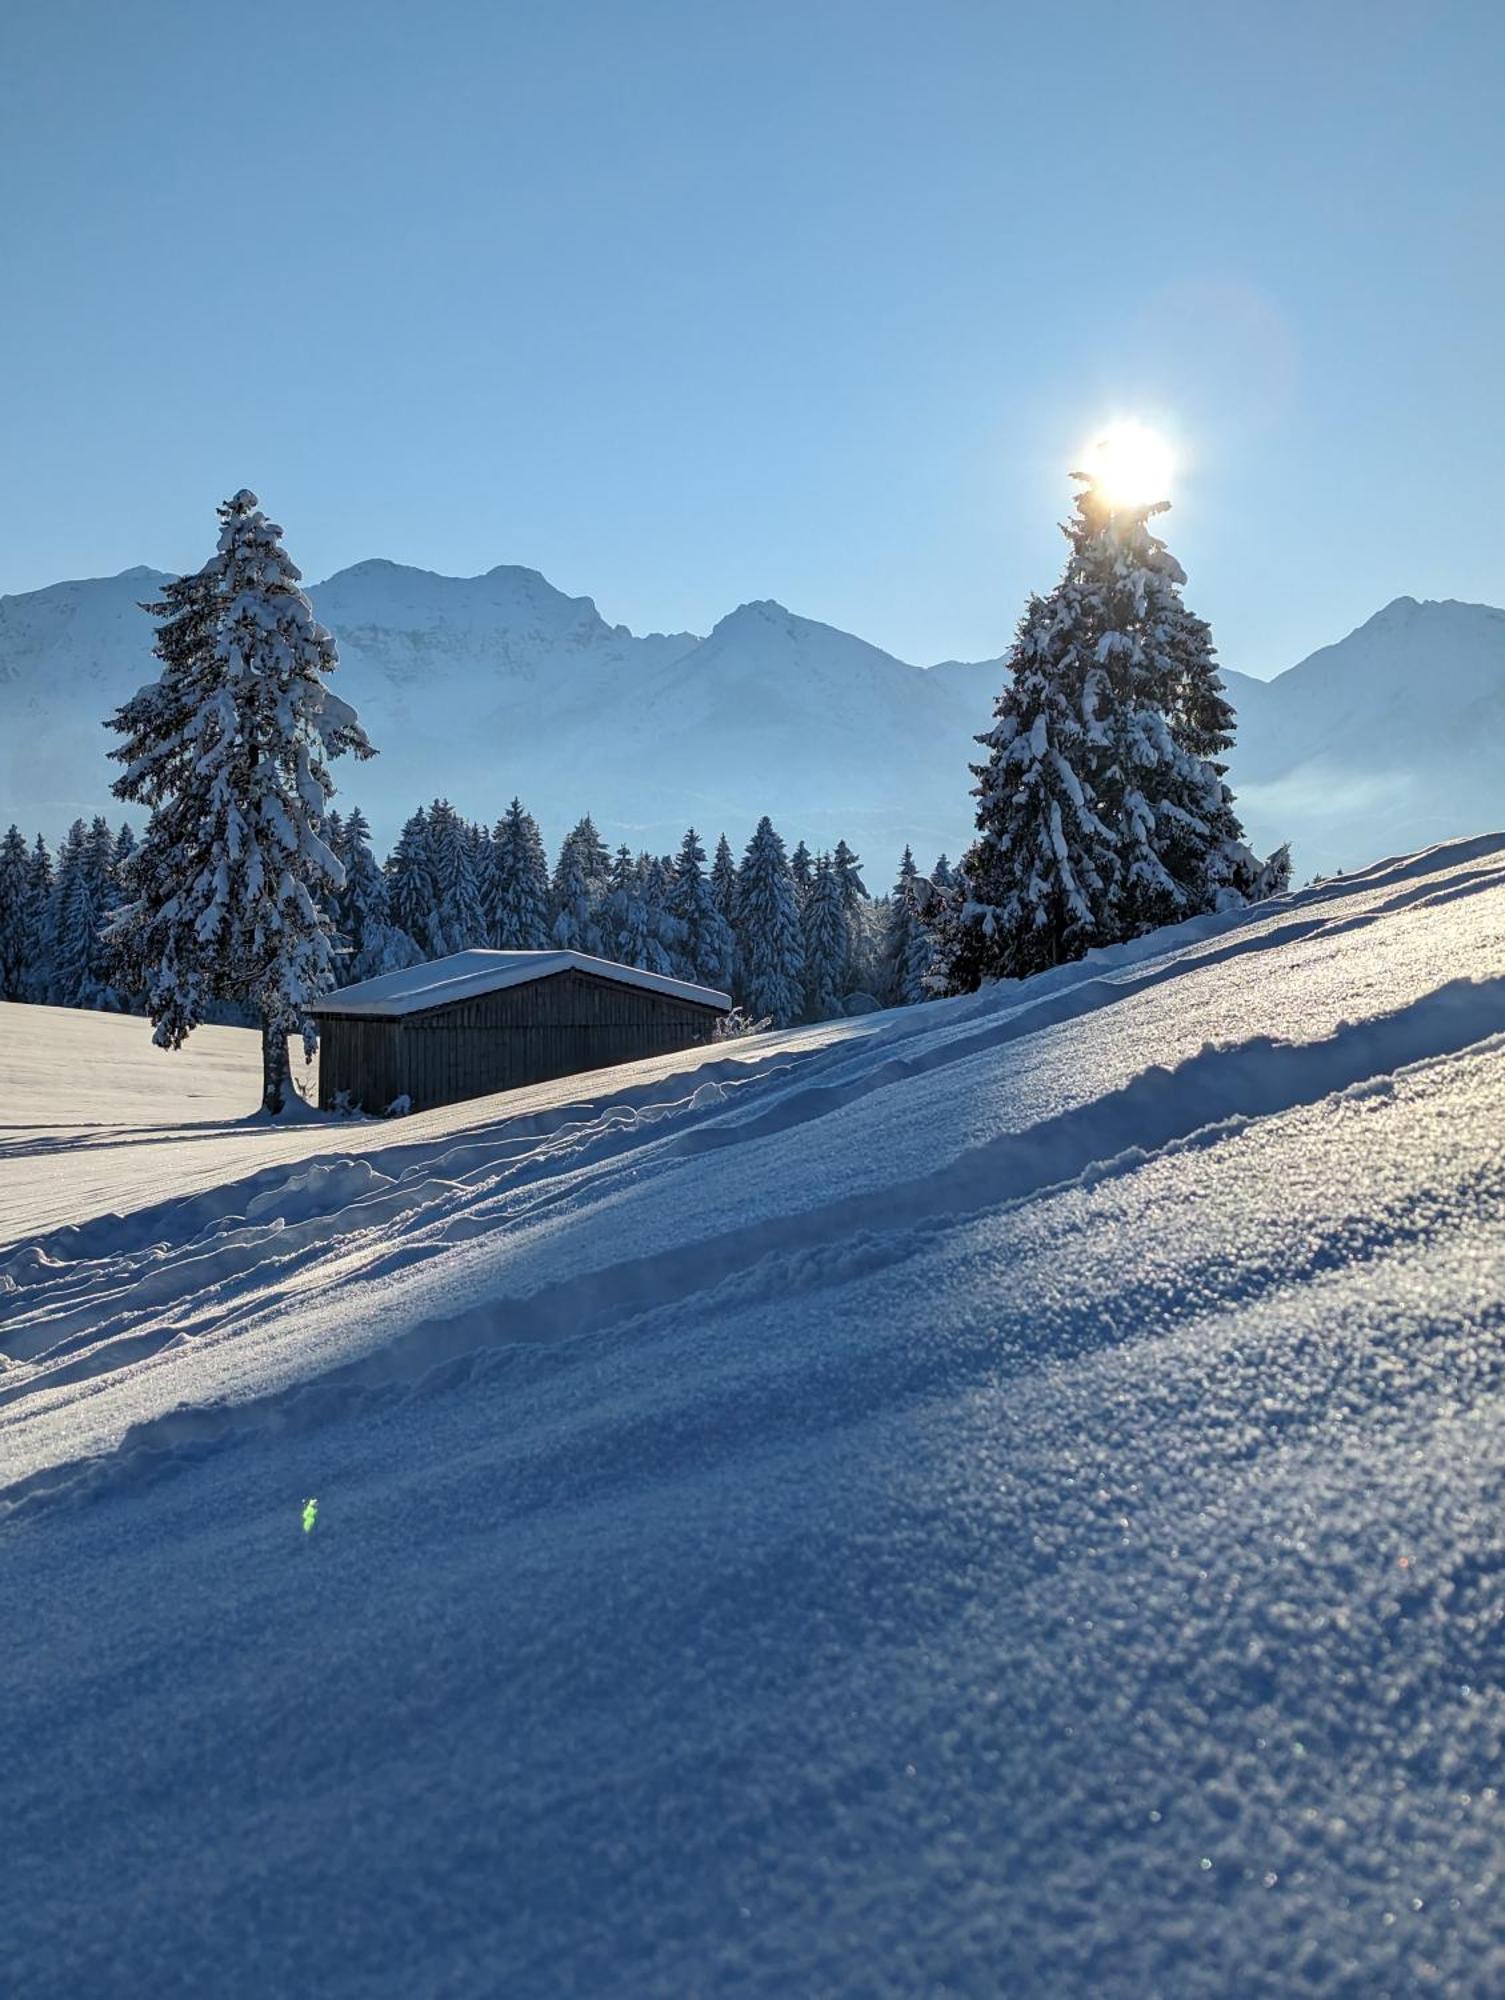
(685, 304)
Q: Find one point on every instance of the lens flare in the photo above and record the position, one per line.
(1129, 465)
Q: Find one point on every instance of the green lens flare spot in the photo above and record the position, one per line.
(310, 1515)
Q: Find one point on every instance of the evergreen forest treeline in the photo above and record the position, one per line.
(791, 935)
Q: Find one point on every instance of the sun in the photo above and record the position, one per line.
(1130, 465)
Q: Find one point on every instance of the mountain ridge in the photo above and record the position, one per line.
(478, 687)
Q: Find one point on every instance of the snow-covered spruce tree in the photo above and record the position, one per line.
(332, 899)
(1272, 876)
(1201, 716)
(724, 880)
(1038, 882)
(827, 943)
(105, 887)
(129, 995)
(941, 875)
(81, 904)
(907, 948)
(459, 916)
(465, 897)
(631, 936)
(230, 872)
(373, 943)
(572, 897)
(412, 894)
(868, 924)
(1098, 816)
(581, 881)
(334, 835)
(160, 727)
(656, 879)
(770, 951)
(802, 868)
(482, 867)
(75, 917)
(705, 948)
(847, 868)
(159, 721)
(519, 883)
(1162, 711)
(16, 967)
(41, 922)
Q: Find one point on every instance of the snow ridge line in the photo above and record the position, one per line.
(1208, 1099)
(109, 1237)
(91, 1309)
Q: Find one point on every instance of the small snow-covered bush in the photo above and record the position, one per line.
(731, 1027)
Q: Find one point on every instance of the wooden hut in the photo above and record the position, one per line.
(480, 1021)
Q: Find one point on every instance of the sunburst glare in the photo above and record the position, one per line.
(1130, 465)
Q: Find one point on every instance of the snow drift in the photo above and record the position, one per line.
(998, 1498)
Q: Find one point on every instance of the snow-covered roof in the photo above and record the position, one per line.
(466, 974)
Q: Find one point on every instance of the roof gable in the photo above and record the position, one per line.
(465, 975)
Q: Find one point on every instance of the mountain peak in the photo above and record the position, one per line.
(766, 618)
(757, 611)
(1406, 610)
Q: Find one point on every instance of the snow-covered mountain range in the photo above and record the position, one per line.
(479, 687)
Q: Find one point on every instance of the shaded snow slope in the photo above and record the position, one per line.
(998, 1498)
(483, 686)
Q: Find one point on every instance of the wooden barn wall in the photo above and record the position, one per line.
(362, 1059)
(499, 1041)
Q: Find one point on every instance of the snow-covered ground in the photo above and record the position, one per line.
(93, 1119)
(1002, 1498)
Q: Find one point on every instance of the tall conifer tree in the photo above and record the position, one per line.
(908, 947)
(631, 935)
(770, 950)
(802, 868)
(41, 929)
(232, 754)
(827, 942)
(519, 883)
(15, 897)
(460, 918)
(705, 947)
(580, 885)
(724, 880)
(412, 894)
(1099, 813)
(1035, 883)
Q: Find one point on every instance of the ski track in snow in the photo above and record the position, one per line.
(999, 1497)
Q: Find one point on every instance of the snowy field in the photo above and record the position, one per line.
(1004, 1498)
(94, 1119)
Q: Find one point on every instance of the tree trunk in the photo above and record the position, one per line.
(274, 1083)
